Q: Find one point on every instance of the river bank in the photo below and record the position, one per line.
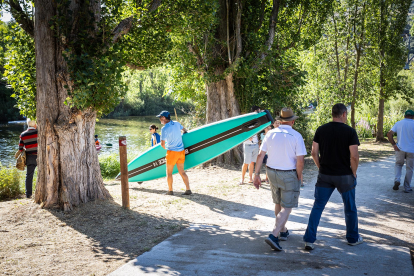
(98, 237)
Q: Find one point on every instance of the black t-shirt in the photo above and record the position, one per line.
(334, 140)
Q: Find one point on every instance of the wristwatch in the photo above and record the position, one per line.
(258, 174)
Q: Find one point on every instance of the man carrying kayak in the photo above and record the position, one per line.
(172, 141)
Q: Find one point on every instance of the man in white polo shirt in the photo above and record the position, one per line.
(404, 149)
(286, 157)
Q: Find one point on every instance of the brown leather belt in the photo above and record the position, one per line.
(281, 170)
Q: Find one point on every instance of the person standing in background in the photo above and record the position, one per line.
(155, 137)
(404, 149)
(250, 150)
(28, 142)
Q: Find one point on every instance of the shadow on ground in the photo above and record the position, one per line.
(117, 232)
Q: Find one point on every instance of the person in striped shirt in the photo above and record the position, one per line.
(28, 141)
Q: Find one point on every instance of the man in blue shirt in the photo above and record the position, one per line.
(172, 141)
(404, 149)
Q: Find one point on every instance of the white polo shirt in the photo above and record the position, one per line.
(283, 145)
(405, 134)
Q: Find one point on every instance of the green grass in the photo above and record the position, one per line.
(11, 181)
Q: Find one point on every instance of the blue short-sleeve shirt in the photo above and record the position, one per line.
(171, 134)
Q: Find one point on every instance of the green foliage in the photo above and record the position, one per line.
(148, 93)
(7, 110)
(109, 164)
(97, 80)
(366, 116)
(20, 70)
(270, 82)
(331, 63)
(10, 181)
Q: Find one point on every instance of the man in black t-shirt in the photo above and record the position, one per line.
(335, 153)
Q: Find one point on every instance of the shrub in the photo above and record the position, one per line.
(109, 164)
(10, 180)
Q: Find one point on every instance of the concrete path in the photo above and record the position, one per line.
(386, 223)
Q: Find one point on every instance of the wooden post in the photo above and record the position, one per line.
(124, 171)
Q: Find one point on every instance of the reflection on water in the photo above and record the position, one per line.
(135, 128)
(9, 140)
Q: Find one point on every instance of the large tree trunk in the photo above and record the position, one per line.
(68, 168)
(222, 104)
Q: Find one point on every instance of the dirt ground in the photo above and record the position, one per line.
(98, 237)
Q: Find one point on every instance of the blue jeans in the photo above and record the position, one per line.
(322, 195)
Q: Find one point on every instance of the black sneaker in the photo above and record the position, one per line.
(187, 192)
(284, 235)
(396, 185)
(273, 242)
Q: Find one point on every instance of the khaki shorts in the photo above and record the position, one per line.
(285, 187)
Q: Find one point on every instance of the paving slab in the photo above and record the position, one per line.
(214, 250)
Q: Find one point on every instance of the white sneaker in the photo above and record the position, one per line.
(359, 241)
(309, 246)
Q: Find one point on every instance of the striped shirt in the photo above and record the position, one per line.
(28, 140)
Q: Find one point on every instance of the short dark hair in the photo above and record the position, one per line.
(254, 108)
(338, 109)
(153, 127)
(96, 135)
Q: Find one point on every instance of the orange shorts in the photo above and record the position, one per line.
(175, 157)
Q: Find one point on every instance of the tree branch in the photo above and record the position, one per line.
(272, 27)
(238, 34)
(135, 67)
(262, 13)
(123, 27)
(228, 39)
(154, 5)
(194, 51)
(272, 32)
(21, 17)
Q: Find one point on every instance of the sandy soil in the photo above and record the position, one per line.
(98, 237)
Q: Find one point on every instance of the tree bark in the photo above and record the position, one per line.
(380, 123)
(68, 168)
(354, 90)
(382, 32)
(222, 104)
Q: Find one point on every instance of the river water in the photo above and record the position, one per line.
(135, 128)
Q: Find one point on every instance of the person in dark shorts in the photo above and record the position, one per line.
(335, 153)
(28, 142)
(155, 137)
